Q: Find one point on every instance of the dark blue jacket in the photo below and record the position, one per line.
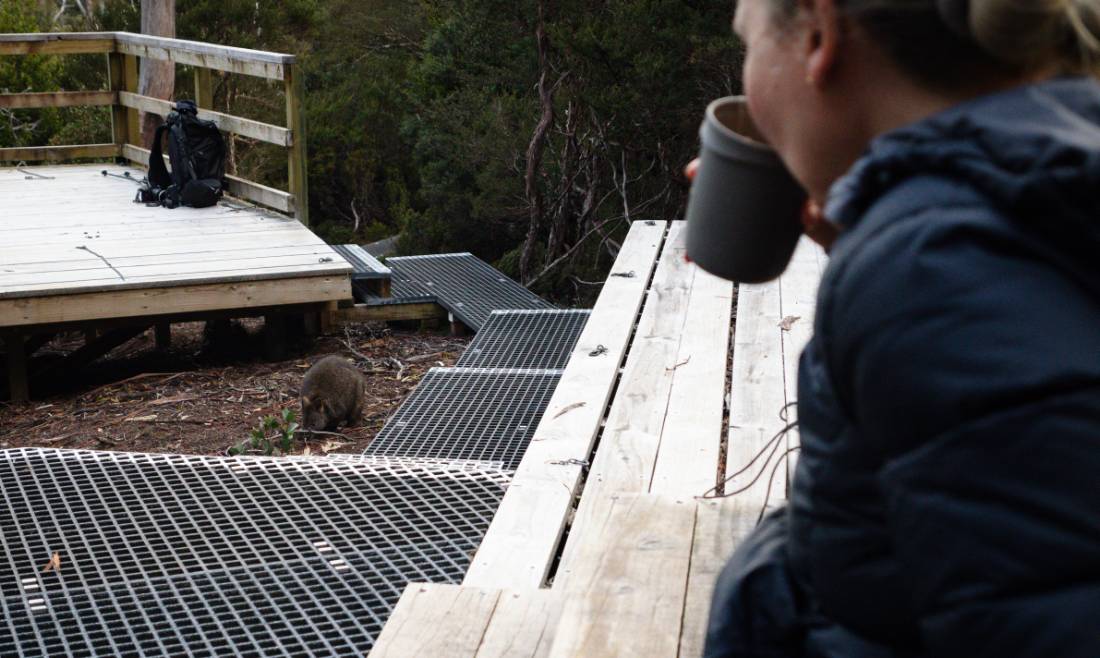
(947, 497)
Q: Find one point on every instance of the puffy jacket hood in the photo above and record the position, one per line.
(1033, 151)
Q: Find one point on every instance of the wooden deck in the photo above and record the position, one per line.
(75, 248)
(603, 545)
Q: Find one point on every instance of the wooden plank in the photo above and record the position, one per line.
(296, 158)
(107, 276)
(522, 625)
(720, 525)
(629, 598)
(627, 452)
(757, 394)
(57, 43)
(387, 313)
(91, 263)
(436, 620)
(265, 132)
(58, 153)
(522, 540)
(238, 187)
(798, 294)
(172, 299)
(691, 437)
(57, 99)
(194, 53)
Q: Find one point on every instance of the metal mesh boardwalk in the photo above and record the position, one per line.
(203, 556)
(469, 413)
(526, 339)
(463, 284)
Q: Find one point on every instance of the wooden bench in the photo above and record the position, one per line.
(620, 558)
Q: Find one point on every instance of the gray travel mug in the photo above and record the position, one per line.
(744, 209)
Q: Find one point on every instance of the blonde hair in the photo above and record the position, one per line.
(1039, 33)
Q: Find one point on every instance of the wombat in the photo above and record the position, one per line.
(332, 391)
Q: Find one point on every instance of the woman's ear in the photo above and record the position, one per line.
(822, 40)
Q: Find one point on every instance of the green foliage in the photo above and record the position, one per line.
(273, 433)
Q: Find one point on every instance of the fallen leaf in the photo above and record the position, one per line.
(54, 564)
(329, 446)
(569, 407)
(306, 452)
(786, 323)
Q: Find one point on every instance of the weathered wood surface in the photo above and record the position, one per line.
(58, 153)
(265, 132)
(522, 625)
(798, 288)
(450, 621)
(172, 300)
(757, 396)
(664, 428)
(627, 598)
(116, 246)
(194, 53)
(30, 100)
(388, 313)
(521, 542)
(57, 43)
(720, 525)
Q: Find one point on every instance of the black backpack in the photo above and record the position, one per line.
(196, 150)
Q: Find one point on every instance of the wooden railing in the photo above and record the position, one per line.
(123, 50)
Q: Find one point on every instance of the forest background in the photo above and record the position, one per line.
(529, 132)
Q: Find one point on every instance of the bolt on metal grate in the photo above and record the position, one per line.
(465, 285)
(541, 338)
(469, 413)
(173, 554)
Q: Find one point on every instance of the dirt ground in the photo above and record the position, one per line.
(204, 394)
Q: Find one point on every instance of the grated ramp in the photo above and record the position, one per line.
(469, 414)
(541, 339)
(463, 284)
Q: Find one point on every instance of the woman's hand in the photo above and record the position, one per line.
(814, 224)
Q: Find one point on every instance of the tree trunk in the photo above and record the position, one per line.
(535, 148)
(158, 77)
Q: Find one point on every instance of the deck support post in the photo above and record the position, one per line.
(162, 331)
(18, 383)
(274, 336)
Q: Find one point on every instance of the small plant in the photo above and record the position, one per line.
(273, 432)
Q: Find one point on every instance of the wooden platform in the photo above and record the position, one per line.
(603, 545)
(75, 248)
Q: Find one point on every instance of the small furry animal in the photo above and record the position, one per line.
(332, 391)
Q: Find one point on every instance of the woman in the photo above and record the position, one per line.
(947, 497)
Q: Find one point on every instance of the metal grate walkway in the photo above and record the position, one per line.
(462, 283)
(526, 339)
(470, 414)
(204, 556)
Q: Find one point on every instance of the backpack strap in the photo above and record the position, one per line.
(158, 173)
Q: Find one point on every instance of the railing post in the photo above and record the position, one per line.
(204, 88)
(120, 126)
(130, 83)
(296, 155)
